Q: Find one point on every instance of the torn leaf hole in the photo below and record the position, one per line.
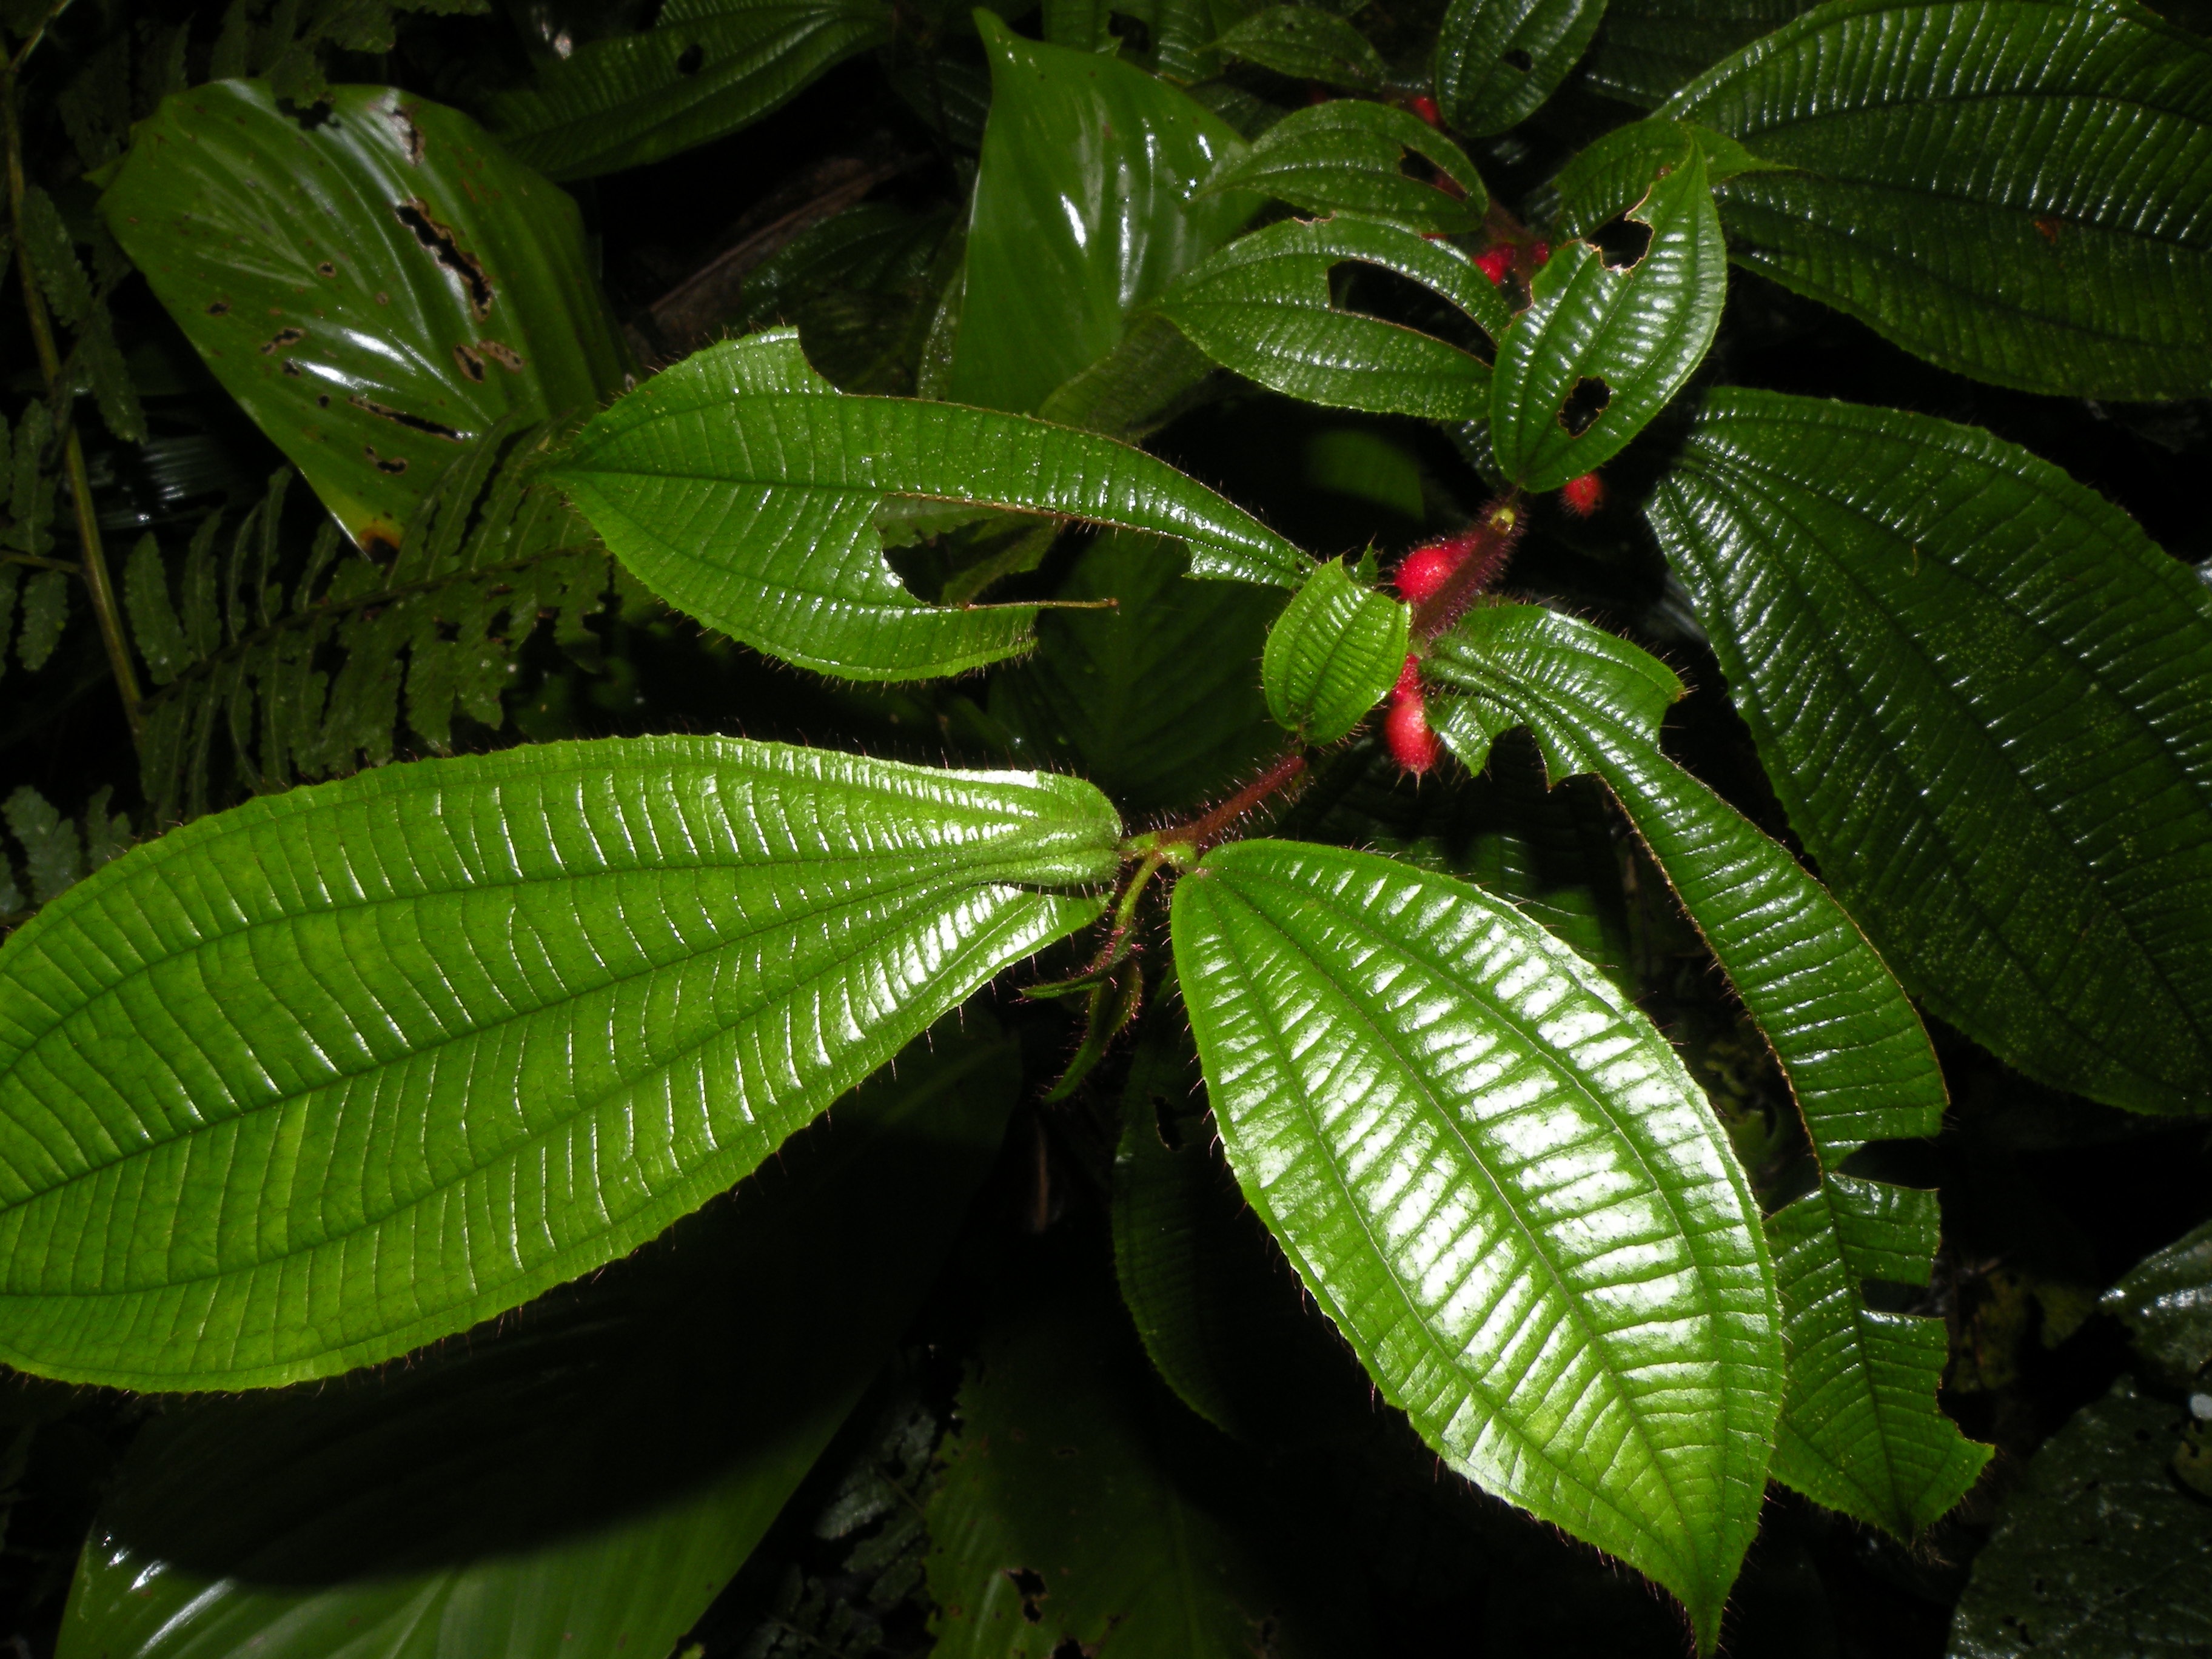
(471, 365)
(394, 463)
(218, 308)
(1621, 242)
(326, 269)
(412, 422)
(281, 338)
(322, 400)
(292, 367)
(694, 59)
(1584, 404)
(1517, 59)
(447, 251)
(1029, 1585)
(410, 136)
(1169, 1125)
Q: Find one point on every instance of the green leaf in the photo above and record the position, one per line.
(1603, 348)
(741, 486)
(1333, 654)
(704, 69)
(1609, 177)
(2100, 1553)
(313, 1082)
(1156, 701)
(1263, 307)
(1306, 44)
(2165, 1302)
(378, 289)
(2014, 189)
(1082, 1507)
(1861, 1430)
(1499, 1182)
(1083, 215)
(53, 851)
(1647, 48)
(584, 1478)
(1982, 696)
(1480, 87)
(1347, 155)
(45, 613)
(52, 254)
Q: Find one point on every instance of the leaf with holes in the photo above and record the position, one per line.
(1336, 649)
(1263, 307)
(1499, 1182)
(704, 69)
(1347, 155)
(1498, 60)
(1083, 215)
(308, 1084)
(741, 486)
(377, 289)
(1985, 699)
(1861, 1430)
(1609, 338)
(585, 1477)
(2018, 190)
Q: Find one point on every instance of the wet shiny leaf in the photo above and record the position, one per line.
(1333, 654)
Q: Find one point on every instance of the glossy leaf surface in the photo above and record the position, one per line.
(1333, 654)
(743, 487)
(308, 1084)
(377, 289)
(1861, 1430)
(1498, 60)
(1602, 348)
(1645, 49)
(2165, 1302)
(1497, 1179)
(584, 1479)
(1982, 696)
(1347, 155)
(704, 69)
(1263, 307)
(2100, 1553)
(2019, 190)
(1307, 43)
(1156, 700)
(1084, 214)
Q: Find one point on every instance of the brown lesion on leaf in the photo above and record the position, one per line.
(502, 354)
(379, 538)
(412, 422)
(292, 367)
(445, 248)
(328, 268)
(218, 308)
(402, 117)
(471, 365)
(282, 337)
(2048, 227)
(384, 463)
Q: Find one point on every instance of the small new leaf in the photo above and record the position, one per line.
(1332, 655)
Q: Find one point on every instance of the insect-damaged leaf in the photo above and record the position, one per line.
(1498, 60)
(1498, 1180)
(377, 287)
(309, 1083)
(743, 487)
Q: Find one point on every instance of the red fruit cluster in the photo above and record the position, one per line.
(1494, 263)
(1406, 727)
(1582, 496)
(1422, 574)
(1426, 106)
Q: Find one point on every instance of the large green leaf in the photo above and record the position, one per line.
(2100, 1553)
(1348, 156)
(705, 68)
(1499, 1182)
(1083, 1509)
(743, 487)
(1647, 48)
(1859, 1429)
(1084, 214)
(310, 1082)
(1602, 347)
(2165, 1300)
(585, 1479)
(1156, 700)
(2015, 189)
(1984, 698)
(1307, 43)
(1262, 306)
(378, 288)
(1498, 60)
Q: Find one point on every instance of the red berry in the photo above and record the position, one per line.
(1426, 106)
(1409, 680)
(1582, 496)
(1406, 729)
(1494, 263)
(1539, 254)
(1425, 569)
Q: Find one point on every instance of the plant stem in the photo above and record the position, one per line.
(96, 581)
(1502, 524)
(1202, 833)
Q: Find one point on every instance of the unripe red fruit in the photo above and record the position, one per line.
(1582, 496)
(1426, 108)
(1425, 569)
(1494, 263)
(1406, 729)
(1541, 254)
